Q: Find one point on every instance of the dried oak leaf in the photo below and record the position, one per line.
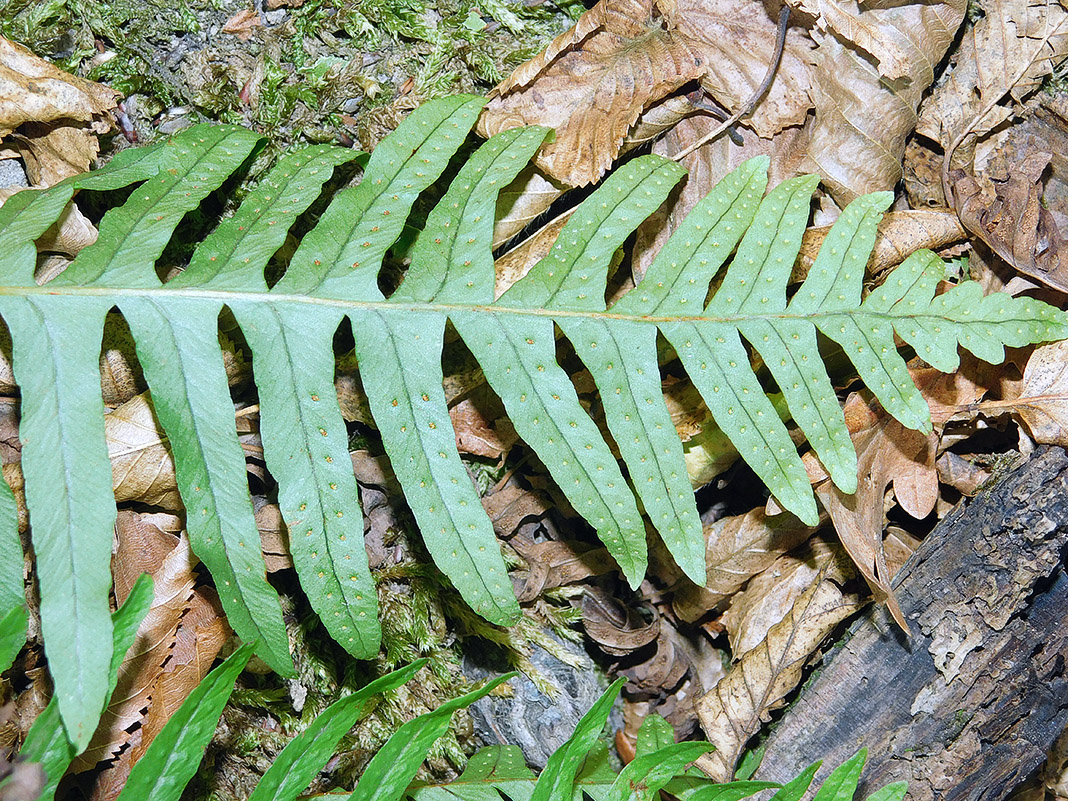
(736, 41)
(900, 233)
(890, 454)
(591, 84)
(864, 111)
(142, 547)
(735, 709)
(736, 549)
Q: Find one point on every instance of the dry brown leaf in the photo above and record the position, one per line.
(770, 595)
(243, 24)
(735, 709)
(274, 536)
(141, 463)
(890, 454)
(477, 433)
(736, 41)
(54, 151)
(69, 234)
(33, 90)
(516, 263)
(736, 549)
(1007, 52)
(900, 234)
(964, 476)
(1042, 399)
(200, 636)
(530, 194)
(142, 548)
(1005, 209)
(511, 506)
(863, 117)
(618, 630)
(622, 61)
(555, 563)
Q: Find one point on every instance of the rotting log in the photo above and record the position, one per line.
(968, 706)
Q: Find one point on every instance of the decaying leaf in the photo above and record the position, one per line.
(736, 549)
(890, 454)
(141, 462)
(1007, 52)
(733, 712)
(593, 94)
(142, 548)
(617, 629)
(33, 90)
(769, 596)
(555, 563)
(900, 234)
(1042, 399)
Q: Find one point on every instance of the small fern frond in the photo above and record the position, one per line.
(333, 276)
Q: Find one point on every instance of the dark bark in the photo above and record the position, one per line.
(968, 706)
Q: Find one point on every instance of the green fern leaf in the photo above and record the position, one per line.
(47, 742)
(14, 620)
(333, 275)
(173, 756)
(842, 783)
(494, 773)
(390, 771)
(305, 755)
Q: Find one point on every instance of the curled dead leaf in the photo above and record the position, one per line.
(141, 463)
(555, 563)
(769, 596)
(736, 549)
(617, 629)
(735, 709)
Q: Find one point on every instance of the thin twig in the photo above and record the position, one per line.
(769, 76)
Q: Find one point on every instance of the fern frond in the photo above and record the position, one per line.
(333, 276)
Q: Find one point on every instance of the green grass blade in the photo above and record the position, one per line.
(400, 365)
(644, 777)
(461, 225)
(234, 255)
(558, 779)
(493, 772)
(518, 358)
(795, 789)
(891, 792)
(305, 445)
(173, 756)
(304, 756)
(390, 771)
(46, 742)
(132, 236)
(341, 256)
(56, 349)
(842, 783)
(178, 348)
(621, 357)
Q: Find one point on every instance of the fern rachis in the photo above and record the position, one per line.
(333, 275)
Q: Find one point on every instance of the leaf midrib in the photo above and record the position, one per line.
(227, 296)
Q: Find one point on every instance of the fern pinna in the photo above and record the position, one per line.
(56, 333)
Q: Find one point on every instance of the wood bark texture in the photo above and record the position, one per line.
(968, 707)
